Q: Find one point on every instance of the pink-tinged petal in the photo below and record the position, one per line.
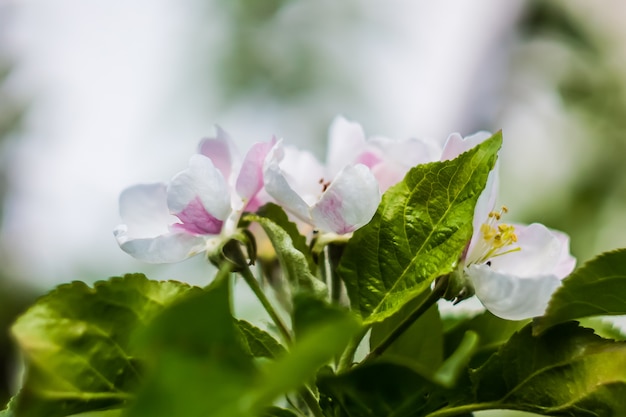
(200, 181)
(220, 150)
(408, 152)
(541, 253)
(195, 219)
(346, 141)
(167, 248)
(512, 297)
(567, 262)
(144, 211)
(278, 187)
(456, 144)
(369, 159)
(250, 178)
(349, 202)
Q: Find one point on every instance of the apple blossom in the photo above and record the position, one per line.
(513, 269)
(198, 209)
(343, 195)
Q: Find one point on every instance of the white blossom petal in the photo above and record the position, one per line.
(144, 211)
(346, 140)
(200, 181)
(167, 248)
(145, 233)
(456, 144)
(221, 151)
(512, 297)
(278, 187)
(541, 252)
(349, 202)
(250, 178)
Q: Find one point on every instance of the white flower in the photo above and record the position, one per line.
(343, 195)
(514, 269)
(199, 208)
(338, 198)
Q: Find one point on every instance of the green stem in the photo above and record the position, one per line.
(437, 292)
(311, 402)
(463, 410)
(256, 289)
(347, 357)
(333, 255)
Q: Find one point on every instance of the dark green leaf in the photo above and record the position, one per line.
(597, 288)
(197, 366)
(294, 262)
(277, 412)
(317, 345)
(421, 344)
(379, 389)
(76, 342)
(568, 370)
(492, 332)
(259, 342)
(9, 411)
(418, 233)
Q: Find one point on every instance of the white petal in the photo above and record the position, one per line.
(456, 144)
(512, 297)
(542, 252)
(278, 187)
(144, 212)
(250, 178)
(221, 151)
(484, 205)
(166, 248)
(349, 202)
(201, 180)
(346, 140)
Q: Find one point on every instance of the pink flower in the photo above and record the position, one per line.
(199, 207)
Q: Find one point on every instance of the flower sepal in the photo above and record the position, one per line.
(459, 287)
(239, 250)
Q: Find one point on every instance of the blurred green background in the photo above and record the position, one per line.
(551, 76)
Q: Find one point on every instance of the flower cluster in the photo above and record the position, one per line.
(513, 269)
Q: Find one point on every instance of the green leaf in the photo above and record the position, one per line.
(258, 342)
(277, 412)
(197, 366)
(318, 343)
(276, 214)
(421, 344)
(568, 370)
(295, 264)
(597, 288)
(492, 331)
(9, 411)
(418, 233)
(76, 342)
(379, 389)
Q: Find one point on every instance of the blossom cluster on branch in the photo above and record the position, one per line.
(512, 268)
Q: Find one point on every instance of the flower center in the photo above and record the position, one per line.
(497, 238)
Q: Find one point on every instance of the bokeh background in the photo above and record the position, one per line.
(99, 95)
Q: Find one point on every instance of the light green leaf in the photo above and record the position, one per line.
(418, 233)
(421, 344)
(568, 370)
(259, 342)
(76, 342)
(597, 288)
(196, 365)
(294, 262)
